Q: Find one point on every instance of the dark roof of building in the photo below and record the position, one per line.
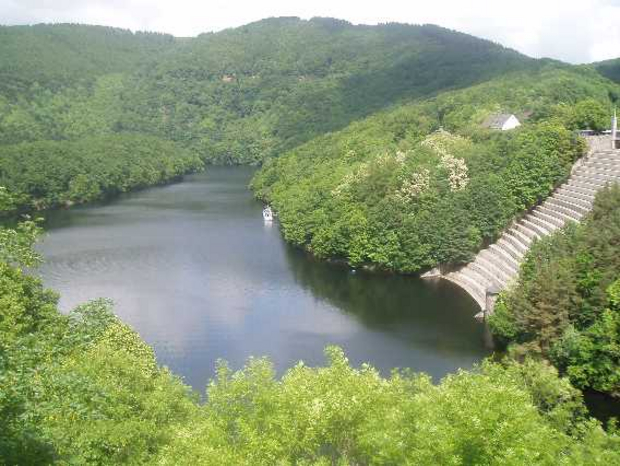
(496, 120)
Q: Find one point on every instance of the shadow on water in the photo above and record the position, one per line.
(602, 406)
(434, 313)
(413, 308)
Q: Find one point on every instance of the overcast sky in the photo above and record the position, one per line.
(571, 30)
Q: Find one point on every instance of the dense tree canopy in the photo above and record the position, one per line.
(249, 93)
(53, 57)
(610, 69)
(400, 191)
(240, 95)
(45, 174)
(566, 305)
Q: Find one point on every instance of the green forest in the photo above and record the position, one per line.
(238, 96)
(610, 69)
(373, 151)
(566, 305)
(46, 174)
(425, 183)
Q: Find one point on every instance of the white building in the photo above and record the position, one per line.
(502, 121)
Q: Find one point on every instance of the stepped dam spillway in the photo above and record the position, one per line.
(496, 267)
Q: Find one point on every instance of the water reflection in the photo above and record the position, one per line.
(423, 313)
(198, 273)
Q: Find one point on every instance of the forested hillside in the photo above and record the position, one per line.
(44, 174)
(566, 305)
(53, 57)
(240, 95)
(374, 152)
(249, 93)
(425, 183)
(610, 69)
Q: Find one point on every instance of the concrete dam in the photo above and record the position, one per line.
(497, 267)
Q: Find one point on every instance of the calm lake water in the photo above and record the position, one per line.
(195, 270)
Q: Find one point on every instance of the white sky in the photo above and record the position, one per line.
(571, 30)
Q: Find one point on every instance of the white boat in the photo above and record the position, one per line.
(267, 214)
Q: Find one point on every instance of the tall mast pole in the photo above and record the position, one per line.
(614, 130)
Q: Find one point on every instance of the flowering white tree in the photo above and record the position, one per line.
(415, 185)
(444, 144)
(457, 172)
(401, 157)
(351, 179)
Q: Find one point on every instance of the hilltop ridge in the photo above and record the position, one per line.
(236, 96)
(246, 94)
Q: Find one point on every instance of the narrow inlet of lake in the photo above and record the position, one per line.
(197, 272)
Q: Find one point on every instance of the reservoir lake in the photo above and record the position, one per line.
(195, 270)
